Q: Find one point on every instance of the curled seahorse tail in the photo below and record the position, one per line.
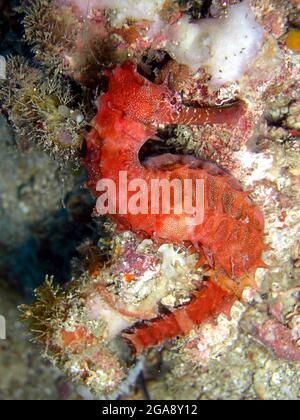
(208, 302)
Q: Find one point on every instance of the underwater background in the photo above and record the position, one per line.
(53, 59)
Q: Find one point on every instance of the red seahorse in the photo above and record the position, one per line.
(232, 231)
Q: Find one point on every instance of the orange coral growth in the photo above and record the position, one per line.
(207, 303)
(293, 40)
(128, 277)
(76, 338)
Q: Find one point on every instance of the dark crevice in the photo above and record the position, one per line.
(205, 10)
(12, 30)
(152, 65)
(156, 147)
(143, 386)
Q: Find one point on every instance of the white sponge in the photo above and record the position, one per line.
(123, 9)
(225, 47)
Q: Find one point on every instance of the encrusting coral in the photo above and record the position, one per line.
(80, 46)
(43, 109)
(86, 329)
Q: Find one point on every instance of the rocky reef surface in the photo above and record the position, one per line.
(104, 319)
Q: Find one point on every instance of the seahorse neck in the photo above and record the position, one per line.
(122, 141)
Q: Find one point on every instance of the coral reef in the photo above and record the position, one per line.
(108, 300)
(196, 89)
(78, 36)
(19, 359)
(82, 327)
(245, 372)
(41, 109)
